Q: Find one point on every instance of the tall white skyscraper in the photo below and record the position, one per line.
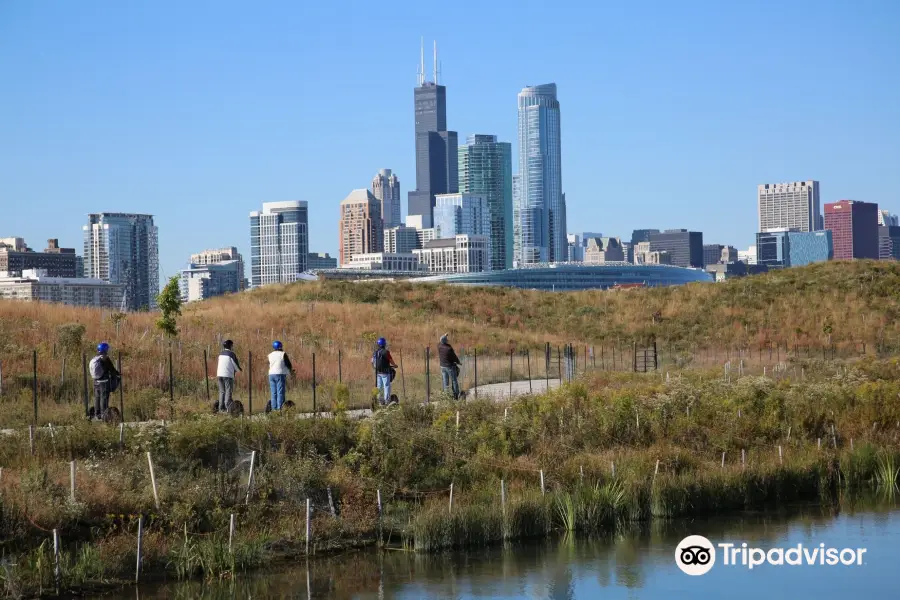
(793, 205)
(540, 203)
(279, 242)
(124, 248)
(386, 187)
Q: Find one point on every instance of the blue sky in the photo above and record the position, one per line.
(672, 112)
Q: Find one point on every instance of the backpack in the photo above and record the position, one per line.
(98, 370)
(381, 361)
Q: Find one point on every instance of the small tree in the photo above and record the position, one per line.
(70, 336)
(169, 302)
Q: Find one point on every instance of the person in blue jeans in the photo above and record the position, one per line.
(279, 367)
(383, 363)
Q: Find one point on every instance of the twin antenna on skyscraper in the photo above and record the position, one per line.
(420, 71)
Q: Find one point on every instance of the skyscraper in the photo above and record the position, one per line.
(361, 225)
(886, 219)
(436, 148)
(221, 255)
(485, 168)
(386, 187)
(541, 203)
(123, 248)
(279, 242)
(854, 228)
(792, 205)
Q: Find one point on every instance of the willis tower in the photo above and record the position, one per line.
(436, 148)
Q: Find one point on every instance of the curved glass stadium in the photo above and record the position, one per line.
(571, 277)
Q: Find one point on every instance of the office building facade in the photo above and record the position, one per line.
(321, 260)
(854, 229)
(718, 253)
(575, 249)
(361, 226)
(222, 255)
(600, 250)
(540, 208)
(793, 205)
(772, 248)
(684, 247)
(386, 188)
(807, 247)
(123, 248)
(885, 219)
(485, 169)
(889, 242)
(35, 285)
(384, 261)
(203, 281)
(279, 242)
(16, 257)
(401, 239)
(461, 214)
(460, 254)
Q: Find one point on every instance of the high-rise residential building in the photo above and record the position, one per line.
(401, 239)
(36, 285)
(485, 169)
(200, 282)
(885, 219)
(718, 253)
(602, 250)
(16, 257)
(436, 147)
(222, 255)
(321, 260)
(460, 254)
(386, 187)
(793, 205)
(279, 242)
(361, 226)
(461, 214)
(889, 242)
(854, 228)
(123, 248)
(541, 207)
(685, 247)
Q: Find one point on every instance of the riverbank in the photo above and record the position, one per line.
(612, 449)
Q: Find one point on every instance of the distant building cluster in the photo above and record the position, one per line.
(470, 218)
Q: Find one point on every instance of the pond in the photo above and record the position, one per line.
(638, 564)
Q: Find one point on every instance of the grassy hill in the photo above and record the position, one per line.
(852, 305)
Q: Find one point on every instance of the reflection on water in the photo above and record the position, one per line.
(639, 564)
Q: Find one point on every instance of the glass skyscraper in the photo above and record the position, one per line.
(540, 204)
(124, 248)
(485, 169)
(279, 242)
(461, 214)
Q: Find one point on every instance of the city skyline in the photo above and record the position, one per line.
(662, 136)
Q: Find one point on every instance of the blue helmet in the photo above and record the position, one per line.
(381, 342)
(102, 348)
(276, 344)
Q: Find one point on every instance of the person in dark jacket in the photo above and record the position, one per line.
(225, 371)
(104, 373)
(449, 366)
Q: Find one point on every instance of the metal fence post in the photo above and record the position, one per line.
(314, 380)
(206, 372)
(34, 384)
(85, 378)
(250, 383)
(476, 372)
(428, 374)
(121, 387)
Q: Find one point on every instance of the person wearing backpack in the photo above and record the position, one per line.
(449, 366)
(106, 379)
(228, 366)
(279, 367)
(384, 365)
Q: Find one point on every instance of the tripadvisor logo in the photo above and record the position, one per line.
(696, 555)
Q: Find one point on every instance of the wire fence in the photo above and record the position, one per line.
(328, 377)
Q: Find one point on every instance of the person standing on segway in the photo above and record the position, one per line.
(106, 379)
(385, 367)
(225, 372)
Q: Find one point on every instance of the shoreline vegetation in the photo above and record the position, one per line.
(591, 457)
(740, 416)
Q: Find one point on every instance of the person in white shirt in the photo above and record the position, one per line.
(279, 367)
(228, 366)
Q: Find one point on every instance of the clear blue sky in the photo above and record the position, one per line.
(672, 112)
